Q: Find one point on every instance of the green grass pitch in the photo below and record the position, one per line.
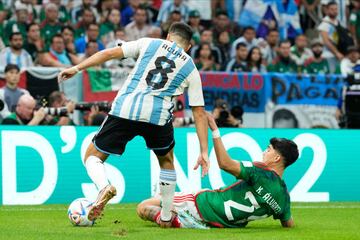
(336, 220)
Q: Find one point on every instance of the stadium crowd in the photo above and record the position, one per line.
(61, 33)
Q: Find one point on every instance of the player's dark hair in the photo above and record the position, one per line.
(58, 35)
(10, 67)
(14, 34)
(221, 12)
(273, 30)
(287, 149)
(240, 44)
(285, 42)
(247, 28)
(119, 29)
(331, 3)
(182, 30)
(92, 24)
(141, 8)
(30, 25)
(175, 12)
(69, 28)
(89, 42)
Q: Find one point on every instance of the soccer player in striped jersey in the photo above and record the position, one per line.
(143, 107)
(260, 191)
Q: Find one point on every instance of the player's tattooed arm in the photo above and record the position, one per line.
(149, 212)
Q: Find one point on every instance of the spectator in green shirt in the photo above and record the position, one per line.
(300, 51)
(3, 15)
(68, 33)
(18, 25)
(64, 15)
(194, 22)
(78, 11)
(25, 113)
(283, 63)
(50, 26)
(87, 18)
(223, 23)
(3, 12)
(34, 44)
(108, 27)
(355, 21)
(316, 64)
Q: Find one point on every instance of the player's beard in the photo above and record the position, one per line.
(285, 59)
(317, 54)
(17, 47)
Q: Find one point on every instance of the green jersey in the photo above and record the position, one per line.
(48, 31)
(64, 16)
(355, 21)
(283, 66)
(12, 119)
(107, 27)
(315, 67)
(80, 32)
(11, 27)
(259, 194)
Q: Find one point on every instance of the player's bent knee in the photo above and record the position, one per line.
(164, 152)
(140, 209)
(92, 151)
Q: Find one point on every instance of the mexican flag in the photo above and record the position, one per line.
(103, 84)
(105, 80)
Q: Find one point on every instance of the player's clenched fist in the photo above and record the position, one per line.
(67, 73)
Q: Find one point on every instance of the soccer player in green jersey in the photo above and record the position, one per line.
(258, 193)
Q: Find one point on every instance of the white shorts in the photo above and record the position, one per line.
(185, 201)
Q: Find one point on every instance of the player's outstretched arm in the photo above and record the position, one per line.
(96, 59)
(288, 224)
(225, 162)
(201, 124)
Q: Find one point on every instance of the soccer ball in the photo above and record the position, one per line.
(78, 212)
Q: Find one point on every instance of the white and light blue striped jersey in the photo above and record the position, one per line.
(163, 70)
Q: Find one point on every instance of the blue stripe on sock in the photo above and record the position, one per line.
(167, 175)
(169, 171)
(167, 179)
